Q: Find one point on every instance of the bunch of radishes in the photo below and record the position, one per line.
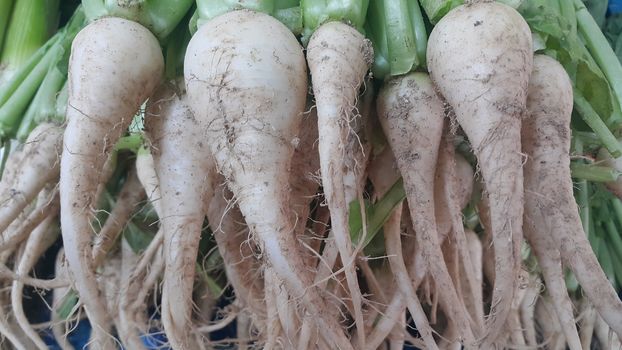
(297, 180)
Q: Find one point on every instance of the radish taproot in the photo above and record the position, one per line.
(113, 68)
(412, 117)
(38, 242)
(39, 165)
(549, 201)
(339, 58)
(249, 94)
(480, 57)
(185, 171)
(129, 197)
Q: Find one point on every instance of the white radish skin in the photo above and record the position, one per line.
(480, 57)
(456, 179)
(549, 201)
(38, 242)
(109, 279)
(405, 285)
(132, 306)
(550, 263)
(11, 167)
(129, 197)
(114, 66)
(412, 116)
(514, 326)
(453, 188)
(59, 326)
(383, 173)
(185, 173)
(19, 230)
(527, 310)
(357, 149)
(249, 92)
(339, 58)
(549, 326)
(8, 329)
(145, 171)
(273, 323)
(605, 337)
(125, 329)
(39, 165)
(231, 235)
(536, 228)
(476, 252)
(587, 323)
(305, 165)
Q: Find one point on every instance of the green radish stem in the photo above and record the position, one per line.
(105, 91)
(249, 94)
(21, 40)
(487, 88)
(5, 12)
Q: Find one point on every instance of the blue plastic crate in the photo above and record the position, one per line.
(615, 6)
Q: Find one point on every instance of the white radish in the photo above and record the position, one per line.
(185, 173)
(248, 89)
(412, 117)
(454, 187)
(39, 165)
(339, 58)
(480, 56)
(549, 201)
(231, 235)
(114, 66)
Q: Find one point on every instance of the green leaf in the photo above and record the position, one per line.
(317, 12)
(376, 214)
(159, 16)
(436, 9)
(67, 305)
(136, 238)
(546, 19)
